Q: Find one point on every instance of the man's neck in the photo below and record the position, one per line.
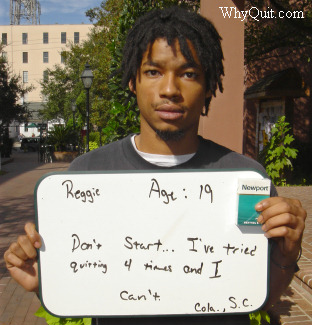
(153, 144)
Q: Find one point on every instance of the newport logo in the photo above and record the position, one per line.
(255, 188)
(256, 14)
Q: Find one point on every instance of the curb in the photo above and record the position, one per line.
(6, 161)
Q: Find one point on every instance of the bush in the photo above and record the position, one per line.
(61, 137)
(278, 154)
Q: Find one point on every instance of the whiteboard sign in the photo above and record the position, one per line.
(148, 243)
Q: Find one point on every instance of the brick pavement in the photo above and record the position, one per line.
(295, 306)
(17, 307)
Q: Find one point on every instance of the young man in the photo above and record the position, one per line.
(173, 64)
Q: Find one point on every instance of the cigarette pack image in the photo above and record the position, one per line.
(250, 192)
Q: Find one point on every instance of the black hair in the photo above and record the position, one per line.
(175, 23)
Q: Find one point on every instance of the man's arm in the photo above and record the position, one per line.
(283, 221)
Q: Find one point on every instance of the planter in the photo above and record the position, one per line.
(66, 156)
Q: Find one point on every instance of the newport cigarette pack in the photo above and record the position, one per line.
(250, 192)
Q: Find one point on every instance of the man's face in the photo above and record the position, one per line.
(170, 91)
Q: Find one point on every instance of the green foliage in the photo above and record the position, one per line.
(56, 90)
(52, 320)
(60, 137)
(259, 318)
(93, 145)
(63, 85)
(11, 90)
(278, 154)
(123, 121)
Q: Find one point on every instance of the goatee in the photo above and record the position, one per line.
(167, 135)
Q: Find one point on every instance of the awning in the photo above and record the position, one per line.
(285, 83)
(31, 125)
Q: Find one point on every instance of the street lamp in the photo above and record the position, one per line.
(87, 78)
(74, 107)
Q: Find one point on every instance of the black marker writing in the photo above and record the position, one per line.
(84, 196)
(155, 188)
(137, 245)
(84, 246)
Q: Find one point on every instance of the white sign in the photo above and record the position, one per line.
(148, 243)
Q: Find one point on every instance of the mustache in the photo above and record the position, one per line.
(168, 102)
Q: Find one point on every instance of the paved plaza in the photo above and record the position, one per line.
(17, 307)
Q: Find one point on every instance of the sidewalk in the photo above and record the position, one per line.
(17, 307)
(295, 306)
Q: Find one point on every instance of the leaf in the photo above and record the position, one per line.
(265, 316)
(52, 320)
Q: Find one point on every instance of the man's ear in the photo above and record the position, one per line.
(131, 86)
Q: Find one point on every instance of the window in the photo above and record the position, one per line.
(45, 38)
(5, 56)
(45, 57)
(25, 77)
(4, 38)
(25, 57)
(25, 38)
(76, 37)
(63, 37)
(45, 76)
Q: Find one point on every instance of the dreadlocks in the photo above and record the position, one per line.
(175, 23)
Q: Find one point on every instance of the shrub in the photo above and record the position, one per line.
(278, 154)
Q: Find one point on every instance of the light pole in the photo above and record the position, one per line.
(100, 128)
(74, 107)
(87, 78)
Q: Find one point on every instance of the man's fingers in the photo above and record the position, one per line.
(27, 246)
(281, 220)
(33, 235)
(279, 206)
(16, 249)
(12, 260)
(266, 203)
(283, 231)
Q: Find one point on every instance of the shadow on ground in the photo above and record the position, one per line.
(14, 213)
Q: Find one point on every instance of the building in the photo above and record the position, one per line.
(30, 50)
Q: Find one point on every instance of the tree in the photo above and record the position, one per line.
(56, 91)
(11, 91)
(63, 85)
(283, 25)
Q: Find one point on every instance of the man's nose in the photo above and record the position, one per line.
(170, 86)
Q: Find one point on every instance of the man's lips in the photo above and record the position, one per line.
(169, 112)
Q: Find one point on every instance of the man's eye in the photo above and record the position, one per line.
(152, 73)
(190, 75)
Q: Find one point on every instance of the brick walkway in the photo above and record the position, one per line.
(17, 307)
(295, 306)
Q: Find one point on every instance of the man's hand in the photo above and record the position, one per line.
(21, 258)
(283, 220)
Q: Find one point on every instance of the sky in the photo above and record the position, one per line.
(55, 11)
